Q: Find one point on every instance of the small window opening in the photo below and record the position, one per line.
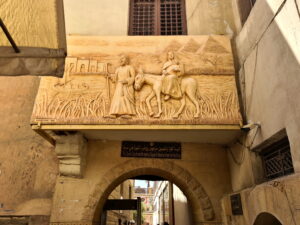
(277, 159)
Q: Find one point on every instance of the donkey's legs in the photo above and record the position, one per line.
(193, 97)
(182, 101)
(157, 93)
(148, 99)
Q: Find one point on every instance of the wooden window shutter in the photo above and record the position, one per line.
(157, 17)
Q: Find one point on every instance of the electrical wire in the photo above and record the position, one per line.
(239, 162)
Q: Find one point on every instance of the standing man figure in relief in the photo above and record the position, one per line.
(123, 102)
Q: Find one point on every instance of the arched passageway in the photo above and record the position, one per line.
(200, 203)
(266, 219)
(161, 202)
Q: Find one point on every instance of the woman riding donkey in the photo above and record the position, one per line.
(169, 85)
(170, 82)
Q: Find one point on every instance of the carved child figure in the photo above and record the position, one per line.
(123, 102)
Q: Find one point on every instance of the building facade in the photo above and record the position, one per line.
(98, 126)
(170, 204)
(123, 191)
(146, 195)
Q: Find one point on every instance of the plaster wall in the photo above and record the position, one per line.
(269, 58)
(96, 17)
(205, 162)
(268, 50)
(241, 166)
(33, 23)
(28, 164)
(110, 17)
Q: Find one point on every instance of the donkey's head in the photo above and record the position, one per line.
(139, 81)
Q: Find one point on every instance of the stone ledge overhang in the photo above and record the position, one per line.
(210, 134)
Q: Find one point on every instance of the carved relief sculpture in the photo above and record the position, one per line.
(169, 80)
(123, 103)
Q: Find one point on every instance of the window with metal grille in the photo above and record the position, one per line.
(277, 159)
(157, 17)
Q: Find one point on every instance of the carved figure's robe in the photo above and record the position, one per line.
(123, 100)
(170, 83)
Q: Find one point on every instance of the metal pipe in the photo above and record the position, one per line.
(9, 37)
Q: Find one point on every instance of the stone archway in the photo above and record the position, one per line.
(269, 200)
(266, 219)
(201, 206)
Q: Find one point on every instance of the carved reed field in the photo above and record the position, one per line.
(71, 106)
(216, 95)
(218, 107)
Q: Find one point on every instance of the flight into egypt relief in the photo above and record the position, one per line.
(180, 81)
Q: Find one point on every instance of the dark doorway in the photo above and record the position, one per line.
(266, 219)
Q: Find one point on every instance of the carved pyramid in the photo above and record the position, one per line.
(212, 46)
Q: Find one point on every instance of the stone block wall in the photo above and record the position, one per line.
(77, 199)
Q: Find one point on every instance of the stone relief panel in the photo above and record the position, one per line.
(142, 80)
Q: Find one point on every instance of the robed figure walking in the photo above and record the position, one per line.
(123, 102)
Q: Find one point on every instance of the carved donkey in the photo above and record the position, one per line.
(188, 87)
